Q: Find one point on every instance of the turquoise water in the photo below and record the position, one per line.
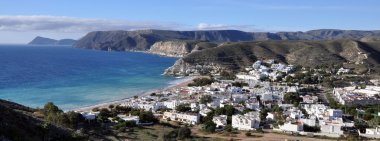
(72, 77)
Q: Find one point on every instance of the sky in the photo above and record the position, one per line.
(22, 20)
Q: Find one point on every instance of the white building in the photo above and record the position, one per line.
(189, 118)
(371, 133)
(354, 96)
(89, 115)
(343, 71)
(248, 121)
(309, 99)
(135, 119)
(220, 120)
(335, 113)
(171, 104)
(292, 127)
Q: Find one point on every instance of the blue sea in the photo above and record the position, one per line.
(72, 77)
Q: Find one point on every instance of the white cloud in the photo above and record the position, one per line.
(207, 26)
(74, 25)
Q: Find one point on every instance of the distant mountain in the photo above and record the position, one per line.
(143, 39)
(47, 41)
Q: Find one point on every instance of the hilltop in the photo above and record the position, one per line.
(47, 41)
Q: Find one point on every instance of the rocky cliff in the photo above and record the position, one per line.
(237, 56)
(178, 48)
(47, 41)
(143, 39)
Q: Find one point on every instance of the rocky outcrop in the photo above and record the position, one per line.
(172, 48)
(182, 68)
(178, 48)
(47, 41)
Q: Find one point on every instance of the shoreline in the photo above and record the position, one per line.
(180, 82)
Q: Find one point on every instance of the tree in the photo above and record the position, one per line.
(147, 116)
(183, 133)
(51, 108)
(263, 114)
(209, 126)
(111, 106)
(292, 98)
(228, 128)
(74, 118)
(104, 114)
(374, 122)
(183, 108)
(205, 99)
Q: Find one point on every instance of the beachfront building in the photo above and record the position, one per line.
(189, 118)
(220, 121)
(89, 115)
(248, 121)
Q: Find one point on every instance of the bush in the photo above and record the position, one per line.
(183, 133)
(248, 134)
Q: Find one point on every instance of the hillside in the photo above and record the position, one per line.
(18, 122)
(143, 39)
(47, 41)
(237, 56)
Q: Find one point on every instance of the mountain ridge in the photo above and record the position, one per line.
(237, 56)
(142, 40)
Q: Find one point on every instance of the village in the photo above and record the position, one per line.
(266, 97)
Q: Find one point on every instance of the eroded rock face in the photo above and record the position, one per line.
(171, 48)
(182, 68)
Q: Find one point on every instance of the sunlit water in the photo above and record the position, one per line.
(72, 77)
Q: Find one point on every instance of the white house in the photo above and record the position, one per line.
(312, 121)
(189, 118)
(220, 120)
(171, 104)
(135, 119)
(248, 121)
(89, 115)
(292, 127)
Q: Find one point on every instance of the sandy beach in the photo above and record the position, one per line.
(181, 82)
